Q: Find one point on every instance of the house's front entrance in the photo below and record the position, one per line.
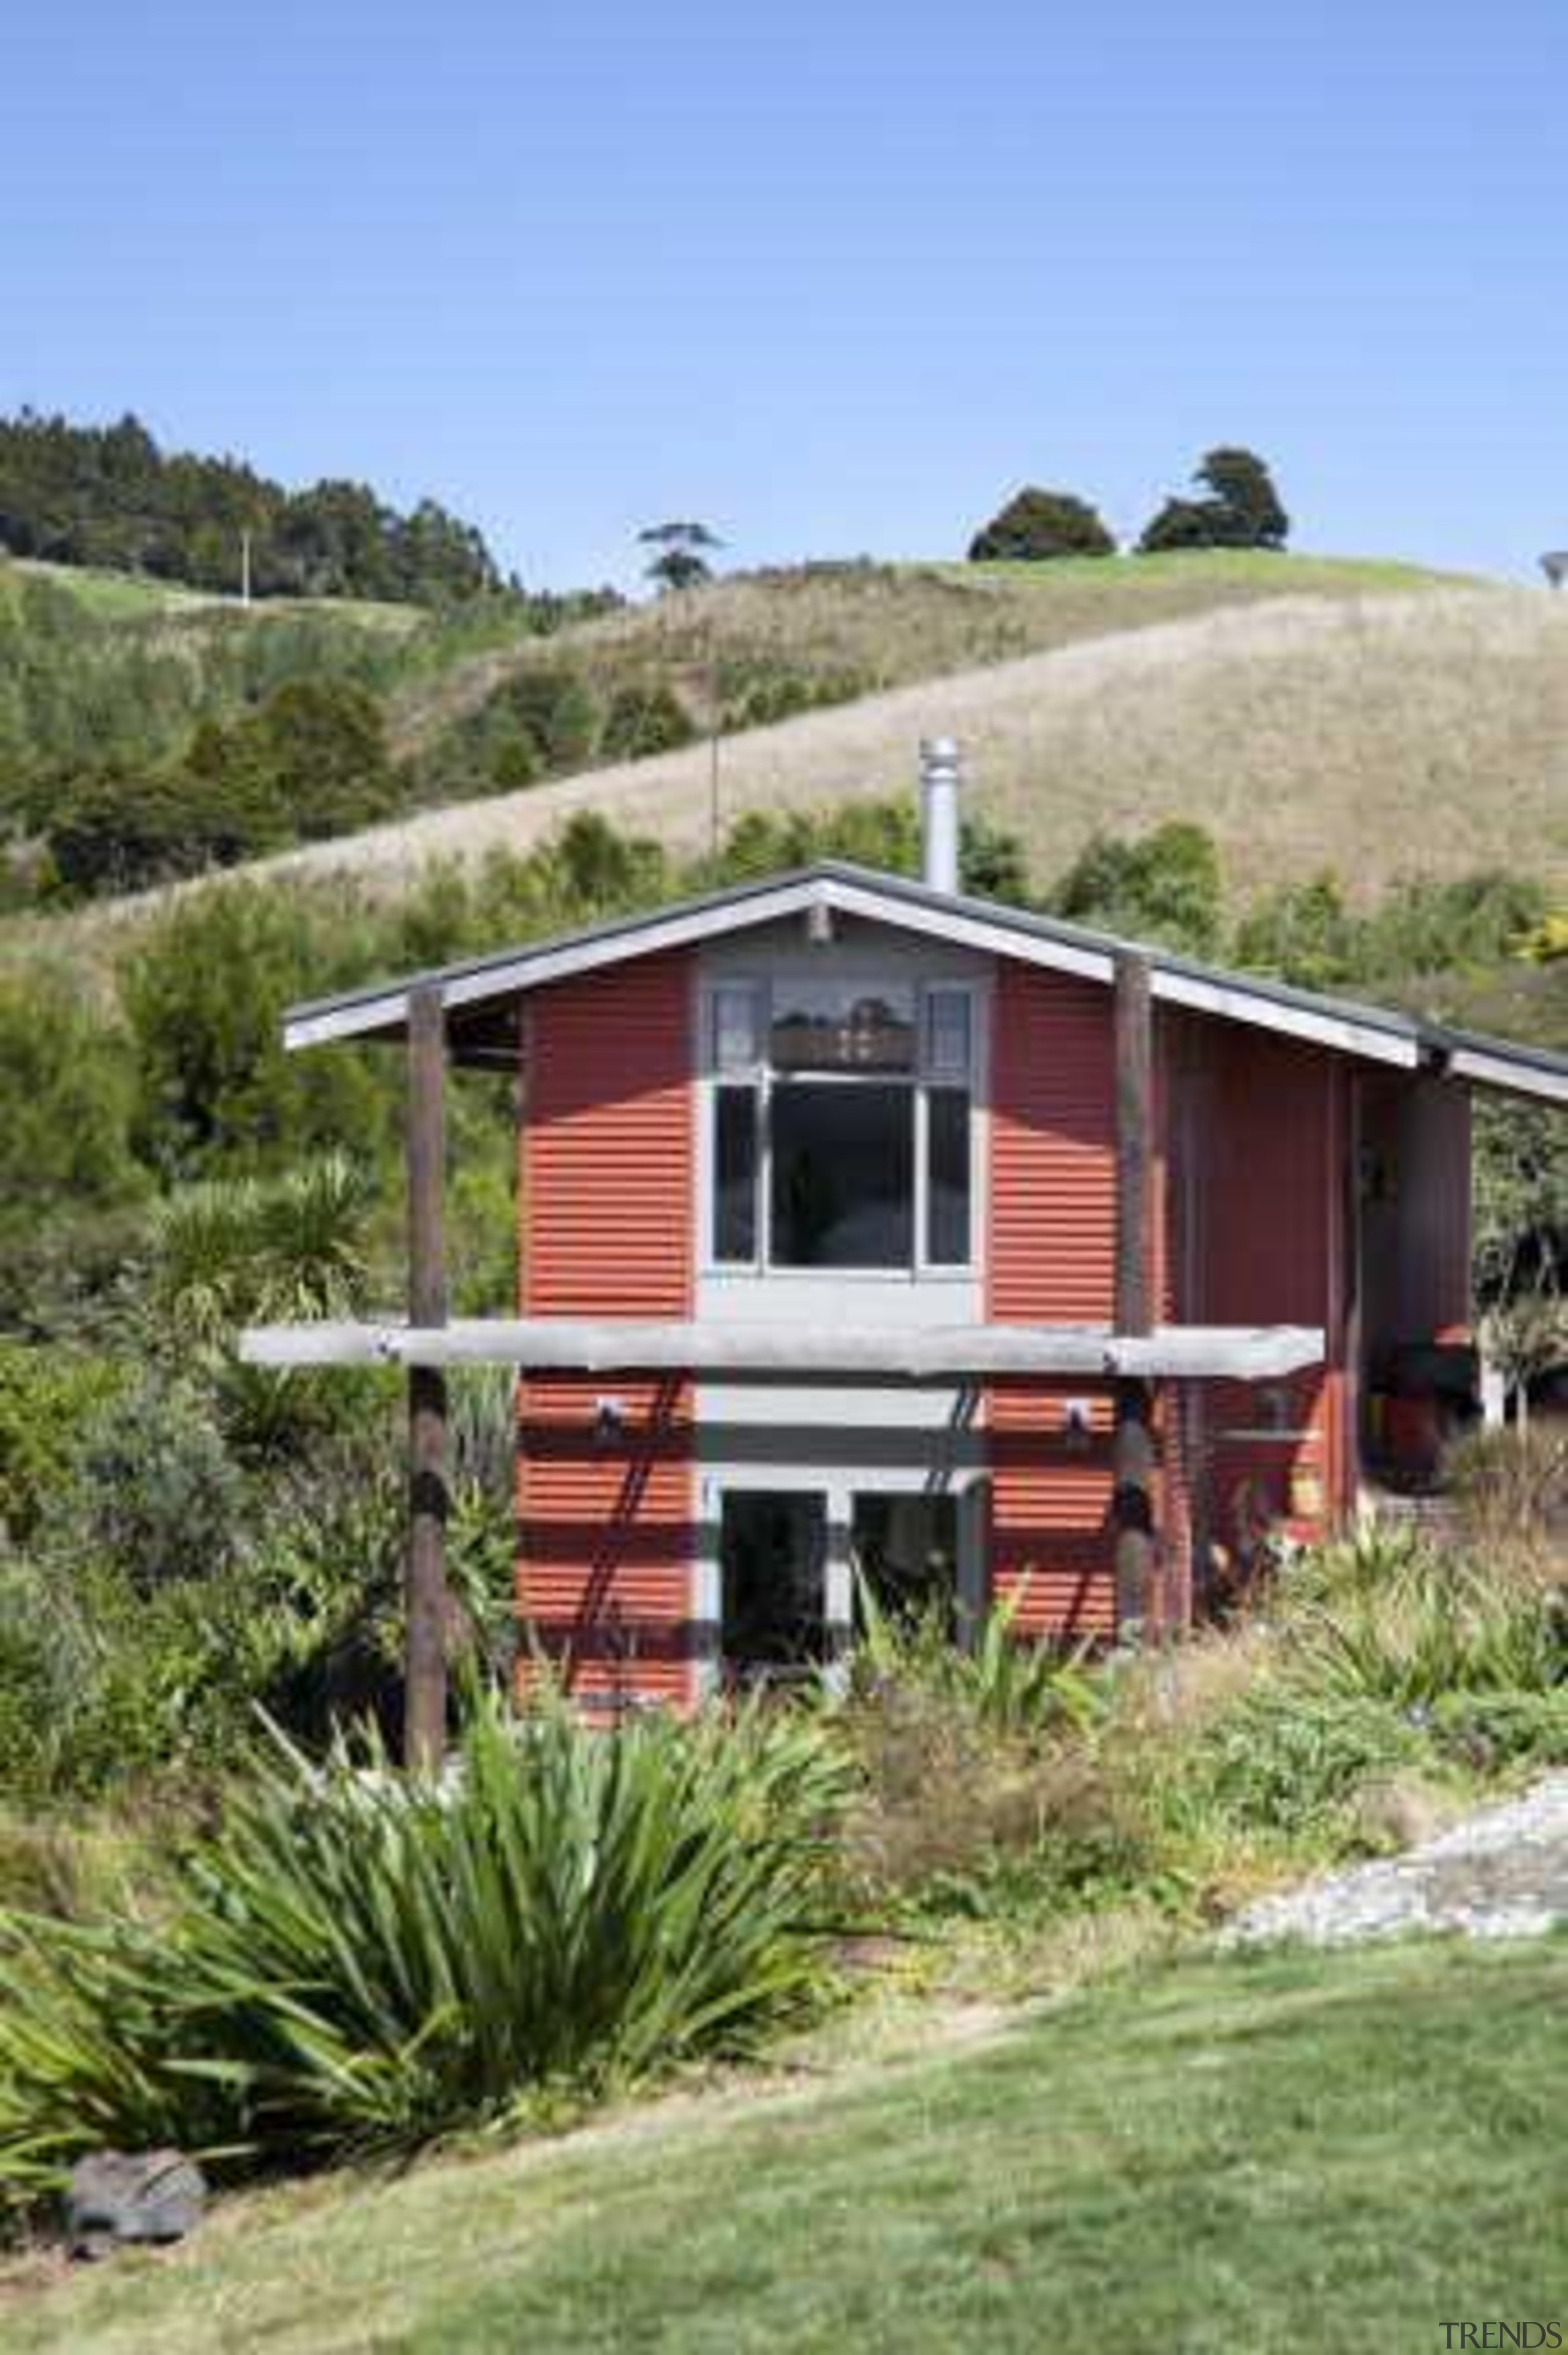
(792, 1563)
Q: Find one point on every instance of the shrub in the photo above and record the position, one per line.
(357, 1961)
(642, 720)
(1280, 1759)
(1165, 887)
(1492, 1729)
(1511, 1486)
(1036, 525)
(1388, 1616)
(66, 1082)
(156, 1490)
(46, 1399)
(205, 993)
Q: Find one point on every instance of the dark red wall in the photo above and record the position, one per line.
(608, 1156)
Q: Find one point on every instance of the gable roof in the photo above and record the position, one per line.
(481, 995)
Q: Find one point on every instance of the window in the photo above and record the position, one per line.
(843, 1177)
(840, 1129)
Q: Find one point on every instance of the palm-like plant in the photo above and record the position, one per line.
(361, 1961)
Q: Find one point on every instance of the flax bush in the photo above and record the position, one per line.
(359, 1962)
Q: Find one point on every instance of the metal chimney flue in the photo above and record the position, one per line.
(941, 778)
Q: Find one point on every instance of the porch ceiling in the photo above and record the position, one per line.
(832, 1351)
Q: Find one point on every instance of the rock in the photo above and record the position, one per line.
(1502, 1873)
(116, 2197)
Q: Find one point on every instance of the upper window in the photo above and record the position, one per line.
(840, 1133)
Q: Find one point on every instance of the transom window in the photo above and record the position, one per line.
(839, 1131)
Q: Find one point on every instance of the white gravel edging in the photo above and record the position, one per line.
(1502, 1873)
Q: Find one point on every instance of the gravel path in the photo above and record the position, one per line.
(1500, 1874)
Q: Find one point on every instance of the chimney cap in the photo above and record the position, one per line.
(938, 753)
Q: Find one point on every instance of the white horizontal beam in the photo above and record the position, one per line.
(1487, 1070)
(848, 1353)
(1321, 1027)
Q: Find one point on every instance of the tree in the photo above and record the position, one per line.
(681, 562)
(1164, 887)
(1242, 509)
(1036, 525)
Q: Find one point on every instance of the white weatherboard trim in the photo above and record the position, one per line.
(967, 931)
(1238, 1004)
(848, 1352)
(1502, 1072)
(533, 968)
(1231, 1000)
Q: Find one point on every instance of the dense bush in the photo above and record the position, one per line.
(1036, 525)
(357, 1961)
(641, 720)
(66, 1081)
(205, 993)
(1164, 887)
(46, 1397)
(108, 496)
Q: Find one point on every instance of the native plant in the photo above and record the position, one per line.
(1386, 1615)
(358, 1961)
(1006, 1683)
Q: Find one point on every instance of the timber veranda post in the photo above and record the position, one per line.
(1133, 1457)
(425, 1593)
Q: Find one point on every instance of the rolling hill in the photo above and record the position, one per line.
(1375, 733)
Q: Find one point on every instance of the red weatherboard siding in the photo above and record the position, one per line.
(1273, 1187)
(608, 1163)
(1051, 1251)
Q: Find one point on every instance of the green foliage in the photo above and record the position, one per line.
(108, 496)
(641, 720)
(46, 1399)
(1387, 1616)
(757, 691)
(1282, 1759)
(1304, 933)
(156, 1490)
(1242, 509)
(66, 1081)
(1036, 525)
(311, 761)
(355, 1961)
(205, 994)
(1492, 1730)
(680, 553)
(1164, 887)
(1009, 1686)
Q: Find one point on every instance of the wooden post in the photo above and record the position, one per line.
(425, 1652)
(1133, 1458)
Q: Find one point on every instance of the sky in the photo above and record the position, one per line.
(835, 277)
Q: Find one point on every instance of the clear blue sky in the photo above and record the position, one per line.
(833, 276)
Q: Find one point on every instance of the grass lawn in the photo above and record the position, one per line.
(1241, 2154)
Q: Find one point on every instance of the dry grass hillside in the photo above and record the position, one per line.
(861, 628)
(1378, 735)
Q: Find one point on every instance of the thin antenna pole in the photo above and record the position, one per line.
(712, 745)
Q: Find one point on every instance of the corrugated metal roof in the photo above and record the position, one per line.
(1351, 1024)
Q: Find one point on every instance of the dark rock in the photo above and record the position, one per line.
(117, 2196)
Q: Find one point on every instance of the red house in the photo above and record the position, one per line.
(864, 1225)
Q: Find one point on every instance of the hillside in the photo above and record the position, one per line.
(1378, 735)
(508, 717)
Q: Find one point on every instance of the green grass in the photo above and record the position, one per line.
(1245, 2154)
(1223, 570)
(138, 597)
